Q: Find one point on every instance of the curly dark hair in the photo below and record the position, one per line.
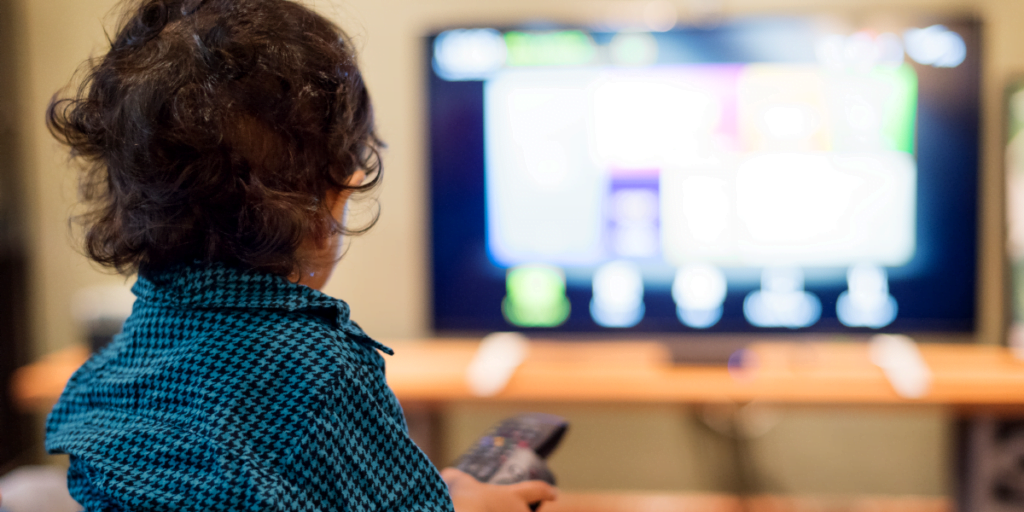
(213, 130)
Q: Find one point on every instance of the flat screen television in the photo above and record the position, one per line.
(774, 174)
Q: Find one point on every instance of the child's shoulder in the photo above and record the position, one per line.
(226, 312)
(237, 346)
(189, 369)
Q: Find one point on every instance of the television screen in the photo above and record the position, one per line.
(771, 174)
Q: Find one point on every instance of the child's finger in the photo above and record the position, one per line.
(532, 491)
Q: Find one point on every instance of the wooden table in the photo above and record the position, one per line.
(785, 373)
(966, 376)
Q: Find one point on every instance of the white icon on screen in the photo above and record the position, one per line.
(618, 295)
(935, 46)
(699, 292)
(782, 301)
(867, 302)
(469, 54)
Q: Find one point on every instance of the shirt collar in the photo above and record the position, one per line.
(203, 286)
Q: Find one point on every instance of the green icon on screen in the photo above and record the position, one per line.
(557, 48)
(536, 296)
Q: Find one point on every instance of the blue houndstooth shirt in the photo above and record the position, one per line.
(235, 390)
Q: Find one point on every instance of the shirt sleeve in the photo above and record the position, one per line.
(356, 453)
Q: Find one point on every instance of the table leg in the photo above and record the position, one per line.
(426, 427)
(990, 464)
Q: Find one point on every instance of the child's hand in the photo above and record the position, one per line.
(470, 495)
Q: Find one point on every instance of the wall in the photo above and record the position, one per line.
(13, 309)
(384, 274)
(54, 37)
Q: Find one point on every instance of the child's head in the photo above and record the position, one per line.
(218, 131)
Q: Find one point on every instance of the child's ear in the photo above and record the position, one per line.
(336, 199)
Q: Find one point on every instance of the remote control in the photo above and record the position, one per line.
(515, 449)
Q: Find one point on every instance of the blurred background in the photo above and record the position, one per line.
(384, 275)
